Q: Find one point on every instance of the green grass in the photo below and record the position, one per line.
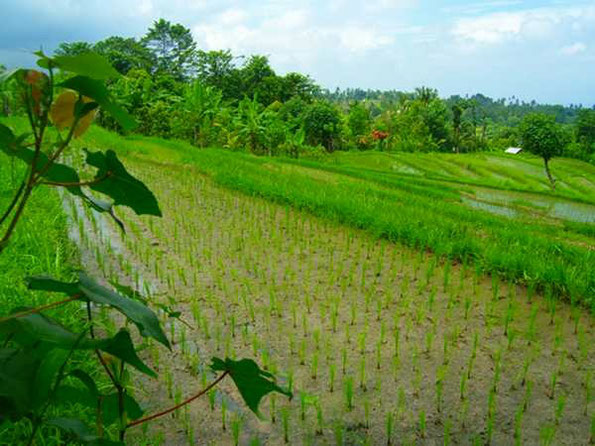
(39, 246)
(576, 179)
(420, 210)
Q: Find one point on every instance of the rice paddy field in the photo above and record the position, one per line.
(404, 299)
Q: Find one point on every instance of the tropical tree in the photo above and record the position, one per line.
(358, 122)
(252, 74)
(296, 84)
(322, 124)
(457, 119)
(217, 69)
(195, 117)
(295, 142)
(585, 130)
(542, 136)
(250, 125)
(73, 48)
(125, 54)
(173, 47)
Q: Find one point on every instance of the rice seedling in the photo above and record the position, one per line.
(269, 284)
(389, 427)
(285, 424)
(348, 391)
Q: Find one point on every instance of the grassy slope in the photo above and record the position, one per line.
(576, 179)
(418, 211)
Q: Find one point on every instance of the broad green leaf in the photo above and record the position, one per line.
(35, 328)
(121, 347)
(17, 372)
(7, 138)
(88, 64)
(97, 91)
(109, 406)
(67, 394)
(74, 427)
(47, 373)
(89, 383)
(43, 61)
(140, 314)
(119, 185)
(105, 207)
(46, 283)
(128, 291)
(252, 382)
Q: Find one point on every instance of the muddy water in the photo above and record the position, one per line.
(516, 204)
(321, 305)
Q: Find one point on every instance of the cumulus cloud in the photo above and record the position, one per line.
(295, 34)
(500, 27)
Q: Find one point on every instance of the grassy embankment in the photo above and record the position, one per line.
(449, 204)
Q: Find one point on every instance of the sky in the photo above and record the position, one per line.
(542, 50)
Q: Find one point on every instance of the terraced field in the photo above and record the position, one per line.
(367, 292)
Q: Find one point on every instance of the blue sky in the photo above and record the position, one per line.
(543, 50)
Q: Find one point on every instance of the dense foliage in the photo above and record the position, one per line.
(174, 89)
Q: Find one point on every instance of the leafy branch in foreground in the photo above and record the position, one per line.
(39, 355)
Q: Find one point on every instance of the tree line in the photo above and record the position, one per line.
(174, 89)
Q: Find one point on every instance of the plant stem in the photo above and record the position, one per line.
(13, 203)
(121, 411)
(97, 352)
(40, 309)
(183, 403)
(80, 183)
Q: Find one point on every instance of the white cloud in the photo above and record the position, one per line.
(293, 35)
(389, 4)
(575, 48)
(232, 17)
(145, 7)
(357, 39)
(500, 27)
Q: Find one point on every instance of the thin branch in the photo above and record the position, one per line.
(121, 410)
(78, 184)
(59, 151)
(18, 212)
(40, 309)
(97, 352)
(13, 203)
(177, 406)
